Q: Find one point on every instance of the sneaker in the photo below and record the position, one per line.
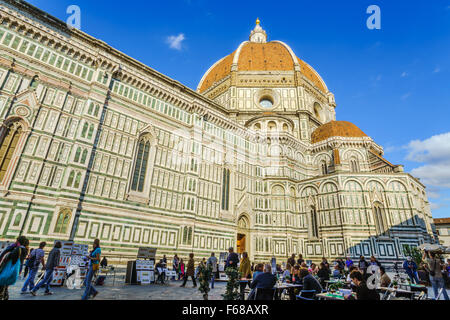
(24, 292)
(94, 295)
(33, 293)
(48, 293)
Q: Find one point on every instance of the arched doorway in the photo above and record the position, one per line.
(243, 235)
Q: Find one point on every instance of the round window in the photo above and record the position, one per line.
(266, 103)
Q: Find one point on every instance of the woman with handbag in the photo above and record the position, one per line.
(435, 271)
(10, 261)
(94, 264)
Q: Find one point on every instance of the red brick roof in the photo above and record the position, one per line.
(442, 221)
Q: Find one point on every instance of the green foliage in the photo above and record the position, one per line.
(414, 253)
(204, 277)
(232, 290)
(335, 286)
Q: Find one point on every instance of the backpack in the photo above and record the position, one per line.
(32, 261)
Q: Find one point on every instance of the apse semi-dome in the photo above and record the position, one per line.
(336, 129)
(259, 55)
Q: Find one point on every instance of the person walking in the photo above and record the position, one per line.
(36, 258)
(363, 265)
(244, 267)
(52, 263)
(175, 263)
(190, 271)
(411, 269)
(232, 260)
(435, 271)
(291, 260)
(11, 259)
(212, 261)
(181, 267)
(94, 261)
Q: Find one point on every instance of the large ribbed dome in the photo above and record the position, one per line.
(336, 129)
(259, 55)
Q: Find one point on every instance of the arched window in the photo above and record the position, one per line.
(71, 177)
(225, 189)
(77, 155)
(190, 235)
(91, 107)
(378, 217)
(324, 167)
(84, 156)
(84, 131)
(62, 221)
(97, 109)
(77, 180)
(91, 131)
(354, 165)
(314, 228)
(141, 163)
(8, 143)
(185, 235)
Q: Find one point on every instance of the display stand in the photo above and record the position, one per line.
(221, 266)
(71, 254)
(142, 270)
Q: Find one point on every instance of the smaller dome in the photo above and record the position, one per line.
(336, 129)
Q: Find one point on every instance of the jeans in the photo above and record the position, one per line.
(90, 290)
(213, 277)
(46, 281)
(437, 284)
(413, 277)
(30, 280)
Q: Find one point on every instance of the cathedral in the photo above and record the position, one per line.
(95, 144)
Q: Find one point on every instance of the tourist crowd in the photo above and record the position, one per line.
(18, 258)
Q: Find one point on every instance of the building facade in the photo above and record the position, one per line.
(94, 144)
(443, 230)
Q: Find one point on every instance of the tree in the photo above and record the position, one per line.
(232, 290)
(204, 276)
(414, 253)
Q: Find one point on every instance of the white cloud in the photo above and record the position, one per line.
(434, 153)
(175, 42)
(436, 206)
(404, 74)
(406, 96)
(437, 70)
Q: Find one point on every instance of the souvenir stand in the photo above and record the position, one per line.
(71, 254)
(221, 266)
(142, 270)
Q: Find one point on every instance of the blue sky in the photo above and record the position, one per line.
(393, 83)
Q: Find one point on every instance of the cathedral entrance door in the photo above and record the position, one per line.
(240, 243)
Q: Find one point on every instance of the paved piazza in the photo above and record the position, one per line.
(122, 291)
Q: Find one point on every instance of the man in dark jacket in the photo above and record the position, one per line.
(363, 265)
(232, 260)
(361, 289)
(52, 263)
(309, 282)
(264, 280)
(291, 260)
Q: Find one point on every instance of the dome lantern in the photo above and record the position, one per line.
(258, 34)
